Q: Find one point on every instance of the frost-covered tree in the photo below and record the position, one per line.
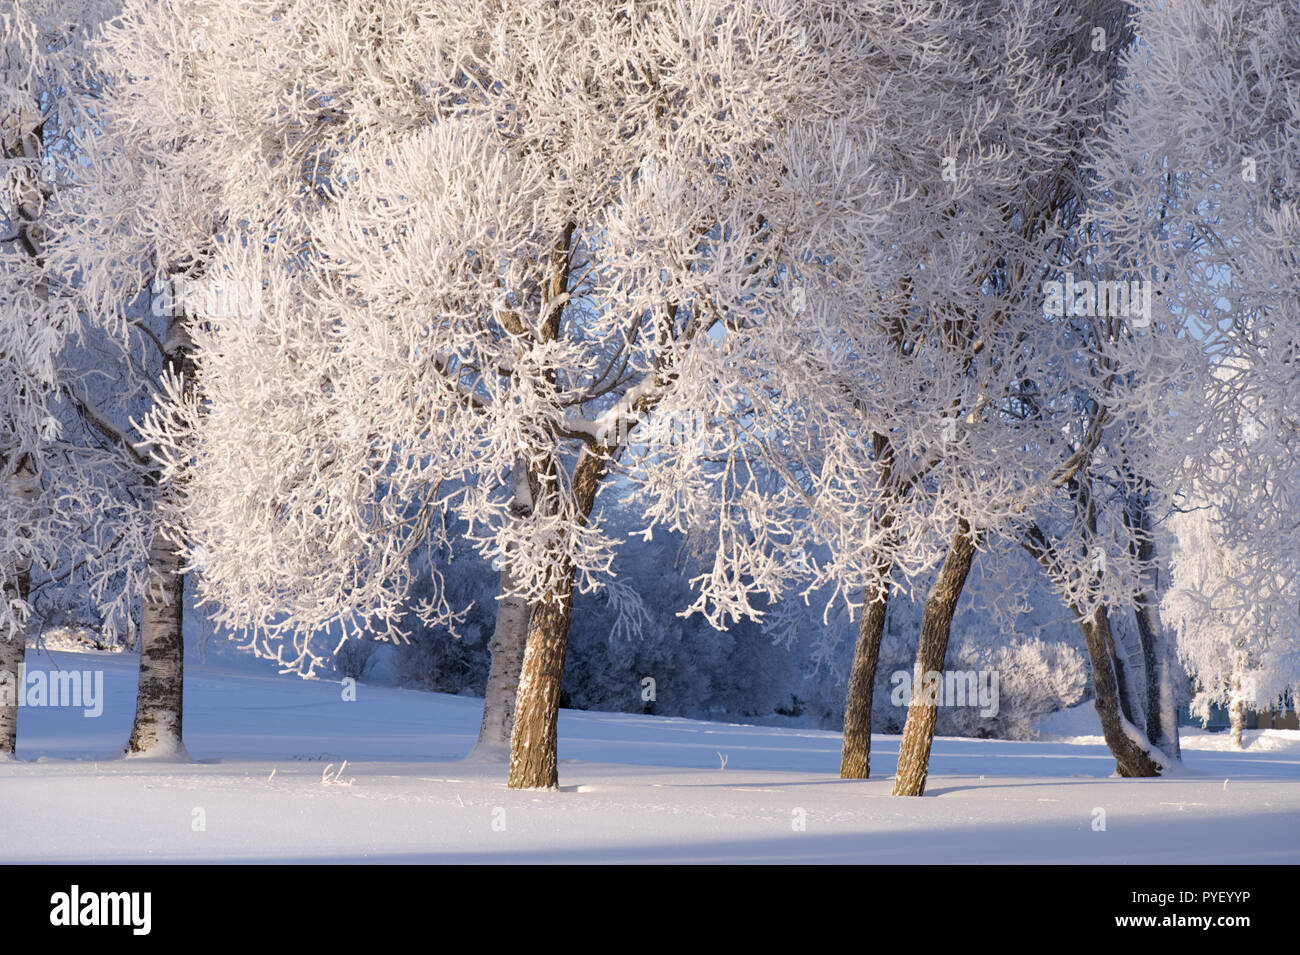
(490, 239)
(1234, 666)
(923, 399)
(1200, 173)
(76, 283)
(53, 494)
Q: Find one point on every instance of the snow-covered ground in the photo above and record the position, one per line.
(264, 783)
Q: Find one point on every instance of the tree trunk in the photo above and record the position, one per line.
(24, 486)
(23, 136)
(13, 648)
(1236, 704)
(159, 696)
(1161, 707)
(1236, 721)
(936, 623)
(1130, 705)
(507, 649)
(855, 756)
(158, 705)
(1131, 759)
(533, 740)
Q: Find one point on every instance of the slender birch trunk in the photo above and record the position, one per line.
(1236, 705)
(159, 699)
(24, 487)
(25, 138)
(159, 704)
(936, 624)
(1236, 722)
(13, 648)
(507, 648)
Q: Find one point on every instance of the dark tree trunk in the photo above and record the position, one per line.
(1159, 705)
(936, 624)
(533, 741)
(1126, 688)
(855, 757)
(1131, 759)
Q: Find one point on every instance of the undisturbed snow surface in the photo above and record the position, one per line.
(264, 785)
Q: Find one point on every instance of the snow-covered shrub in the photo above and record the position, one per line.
(1035, 677)
(350, 659)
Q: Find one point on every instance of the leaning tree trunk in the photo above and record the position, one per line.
(855, 756)
(1131, 758)
(534, 754)
(160, 695)
(936, 623)
(855, 753)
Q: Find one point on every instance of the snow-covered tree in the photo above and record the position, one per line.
(490, 238)
(925, 397)
(77, 285)
(53, 494)
(1234, 666)
(1201, 180)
